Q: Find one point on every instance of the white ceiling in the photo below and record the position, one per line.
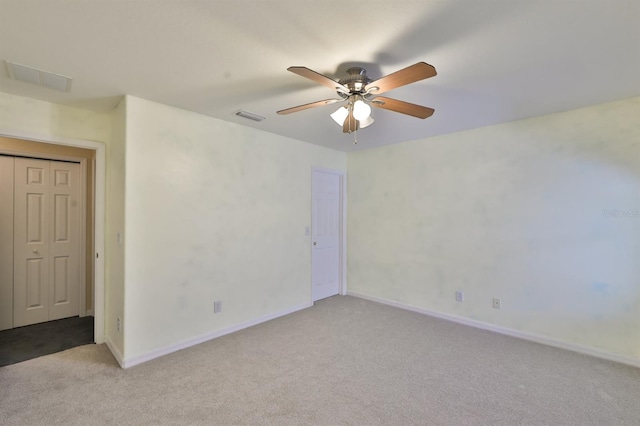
(497, 60)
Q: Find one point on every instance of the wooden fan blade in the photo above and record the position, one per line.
(318, 78)
(350, 124)
(415, 72)
(307, 106)
(402, 107)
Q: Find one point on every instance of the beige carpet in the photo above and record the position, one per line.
(345, 361)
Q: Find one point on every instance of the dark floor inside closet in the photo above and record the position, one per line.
(32, 341)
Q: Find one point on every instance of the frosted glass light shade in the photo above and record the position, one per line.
(361, 111)
(366, 122)
(340, 115)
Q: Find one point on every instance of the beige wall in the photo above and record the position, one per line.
(520, 211)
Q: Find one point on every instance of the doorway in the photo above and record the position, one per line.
(93, 160)
(328, 233)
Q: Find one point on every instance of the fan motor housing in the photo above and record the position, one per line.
(356, 80)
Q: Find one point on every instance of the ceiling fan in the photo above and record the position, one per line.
(359, 91)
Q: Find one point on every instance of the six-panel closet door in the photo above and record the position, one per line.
(46, 240)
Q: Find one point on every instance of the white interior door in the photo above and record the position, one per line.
(31, 248)
(325, 234)
(46, 226)
(64, 240)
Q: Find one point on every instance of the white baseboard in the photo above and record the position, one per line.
(549, 341)
(114, 350)
(156, 353)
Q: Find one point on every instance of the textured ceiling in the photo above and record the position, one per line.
(497, 60)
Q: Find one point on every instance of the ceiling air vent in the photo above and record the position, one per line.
(249, 115)
(38, 77)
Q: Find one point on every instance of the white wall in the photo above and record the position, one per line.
(214, 210)
(49, 119)
(513, 211)
(114, 273)
(217, 211)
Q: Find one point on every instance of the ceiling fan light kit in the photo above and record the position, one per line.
(360, 93)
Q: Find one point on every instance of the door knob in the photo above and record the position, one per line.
(314, 243)
(35, 251)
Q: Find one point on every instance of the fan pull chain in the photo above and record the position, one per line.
(355, 138)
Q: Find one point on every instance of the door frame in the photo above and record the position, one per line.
(99, 213)
(342, 286)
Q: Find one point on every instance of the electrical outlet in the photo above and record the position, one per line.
(118, 324)
(217, 306)
(459, 296)
(496, 303)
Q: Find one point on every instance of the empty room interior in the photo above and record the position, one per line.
(237, 166)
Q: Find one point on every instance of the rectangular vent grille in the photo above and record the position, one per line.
(38, 77)
(250, 115)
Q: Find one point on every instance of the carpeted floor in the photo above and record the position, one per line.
(345, 361)
(32, 341)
